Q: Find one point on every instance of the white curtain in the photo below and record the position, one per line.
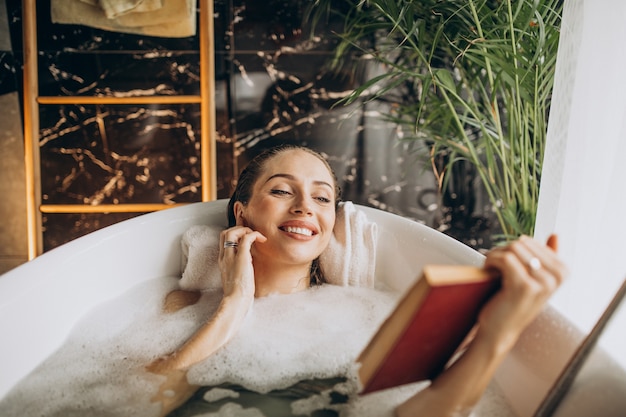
(583, 188)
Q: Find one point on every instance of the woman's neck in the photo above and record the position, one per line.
(271, 279)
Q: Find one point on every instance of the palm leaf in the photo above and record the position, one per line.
(472, 78)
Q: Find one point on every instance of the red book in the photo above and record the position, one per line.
(427, 327)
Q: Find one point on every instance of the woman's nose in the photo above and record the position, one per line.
(301, 205)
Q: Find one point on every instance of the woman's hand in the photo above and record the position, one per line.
(531, 272)
(175, 390)
(235, 261)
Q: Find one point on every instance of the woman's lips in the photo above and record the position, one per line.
(299, 228)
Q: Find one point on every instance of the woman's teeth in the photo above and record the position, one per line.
(299, 230)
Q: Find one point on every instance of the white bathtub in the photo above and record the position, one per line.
(41, 301)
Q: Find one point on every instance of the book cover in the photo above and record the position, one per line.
(427, 326)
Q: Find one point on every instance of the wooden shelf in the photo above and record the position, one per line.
(32, 102)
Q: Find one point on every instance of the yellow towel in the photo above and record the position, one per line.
(174, 19)
(116, 8)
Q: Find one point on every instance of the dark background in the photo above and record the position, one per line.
(273, 85)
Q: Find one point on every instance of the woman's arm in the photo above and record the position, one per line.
(213, 334)
(176, 389)
(523, 294)
(238, 285)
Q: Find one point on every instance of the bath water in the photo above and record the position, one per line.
(315, 334)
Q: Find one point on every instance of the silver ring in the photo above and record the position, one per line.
(230, 244)
(534, 264)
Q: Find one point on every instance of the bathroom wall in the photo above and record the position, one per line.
(273, 85)
(13, 244)
(280, 90)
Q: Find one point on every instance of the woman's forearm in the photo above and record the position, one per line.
(215, 333)
(459, 388)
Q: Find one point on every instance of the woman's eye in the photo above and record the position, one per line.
(279, 192)
(323, 199)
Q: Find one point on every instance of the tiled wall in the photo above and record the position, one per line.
(273, 86)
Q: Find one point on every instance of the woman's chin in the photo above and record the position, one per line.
(297, 252)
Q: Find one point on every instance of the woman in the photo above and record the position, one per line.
(281, 218)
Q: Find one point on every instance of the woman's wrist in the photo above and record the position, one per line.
(237, 300)
(214, 334)
(238, 290)
(496, 344)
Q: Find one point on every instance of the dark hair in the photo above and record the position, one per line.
(250, 174)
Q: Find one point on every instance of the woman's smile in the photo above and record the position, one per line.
(299, 229)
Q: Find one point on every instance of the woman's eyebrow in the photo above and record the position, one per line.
(292, 178)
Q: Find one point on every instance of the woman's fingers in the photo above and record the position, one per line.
(537, 266)
(541, 260)
(238, 238)
(229, 239)
(553, 242)
(249, 238)
(235, 259)
(529, 258)
(531, 272)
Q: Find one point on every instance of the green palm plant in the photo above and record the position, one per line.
(470, 78)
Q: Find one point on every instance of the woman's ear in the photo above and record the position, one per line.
(239, 211)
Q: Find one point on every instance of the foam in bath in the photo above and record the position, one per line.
(217, 394)
(317, 333)
(288, 338)
(285, 338)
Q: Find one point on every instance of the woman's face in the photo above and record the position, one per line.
(293, 205)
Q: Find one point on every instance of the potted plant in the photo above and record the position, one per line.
(470, 78)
